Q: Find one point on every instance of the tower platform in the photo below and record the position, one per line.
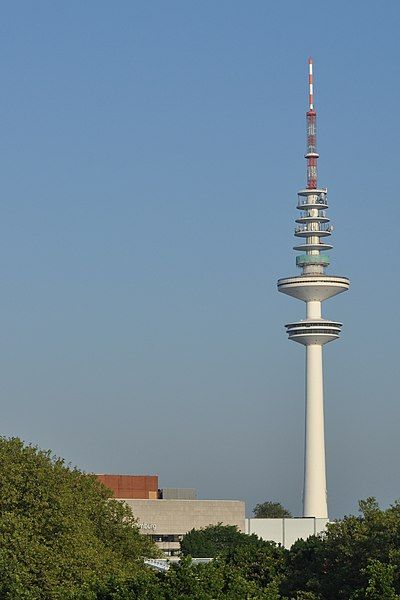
(313, 287)
(313, 331)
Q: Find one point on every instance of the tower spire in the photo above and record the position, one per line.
(313, 286)
(310, 84)
(311, 116)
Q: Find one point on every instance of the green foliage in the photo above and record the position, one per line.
(305, 565)
(185, 581)
(380, 581)
(306, 596)
(214, 540)
(145, 585)
(60, 536)
(258, 561)
(270, 510)
(217, 580)
(355, 557)
(242, 560)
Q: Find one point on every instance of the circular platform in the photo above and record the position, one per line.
(309, 205)
(306, 233)
(313, 287)
(308, 219)
(318, 331)
(306, 247)
(312, 192)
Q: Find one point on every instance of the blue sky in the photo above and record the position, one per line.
(150, 157)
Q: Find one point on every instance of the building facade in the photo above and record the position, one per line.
(167, 521)
(166, 514)
(131, 486)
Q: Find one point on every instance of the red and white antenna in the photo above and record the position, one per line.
(310, 84)
(311, 154)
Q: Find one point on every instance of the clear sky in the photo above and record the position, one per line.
(150, 157)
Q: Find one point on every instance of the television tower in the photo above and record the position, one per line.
(313, 286)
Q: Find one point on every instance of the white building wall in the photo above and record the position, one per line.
(285, 531)
(266, 529)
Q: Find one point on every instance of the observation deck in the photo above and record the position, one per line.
(313, 331)
(313, 287)
(322, 231)
(312, 192)
(312, 199)
(306, 218)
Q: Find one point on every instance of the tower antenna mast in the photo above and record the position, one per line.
(311, 115)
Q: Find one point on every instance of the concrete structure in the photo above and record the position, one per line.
(285, 531)
(167, 521)
(166, 514)
(131, 486)
(177, 494)
(313, 286)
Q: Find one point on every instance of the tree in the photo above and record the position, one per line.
(270, 510)
(60, 535)
(357, 558)
(218, 580)
(304, 568)
(306, 596)
(260, 562)
(256, 561)
(380, 581)
(213, 541)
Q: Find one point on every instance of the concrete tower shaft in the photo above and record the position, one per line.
(313, 286)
